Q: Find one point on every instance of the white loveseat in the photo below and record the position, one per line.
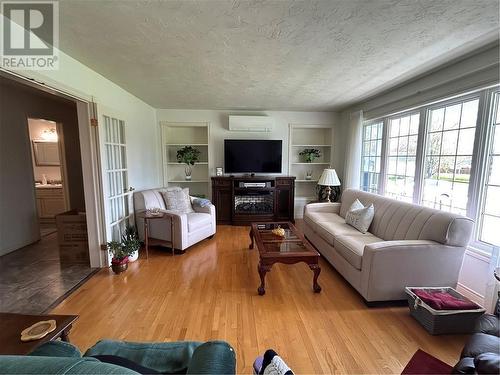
(406, 244)
(189, 228)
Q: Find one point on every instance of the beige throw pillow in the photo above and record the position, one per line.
(177, 199)
(359, 216)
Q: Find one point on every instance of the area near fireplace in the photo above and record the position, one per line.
(242, 200)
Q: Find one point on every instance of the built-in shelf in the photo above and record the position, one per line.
(176, 135)
(308, 136)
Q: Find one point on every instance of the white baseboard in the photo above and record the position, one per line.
(471, 294)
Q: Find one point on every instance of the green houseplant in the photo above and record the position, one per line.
(119, 260)
(130, 240)
(189, 156)
(310, 154)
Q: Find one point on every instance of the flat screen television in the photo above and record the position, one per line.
(252, 156)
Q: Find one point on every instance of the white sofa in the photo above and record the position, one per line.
(188, 228)
(406, 244)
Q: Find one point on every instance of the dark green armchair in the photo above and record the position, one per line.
(185, 357)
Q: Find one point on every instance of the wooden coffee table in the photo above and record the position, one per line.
(291, 249)
(11, 326)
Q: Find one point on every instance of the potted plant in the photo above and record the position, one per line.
(119, 262)
(189, 156)
(310, 154)
(130, 240)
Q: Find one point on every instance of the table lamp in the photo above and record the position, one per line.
(329, 178)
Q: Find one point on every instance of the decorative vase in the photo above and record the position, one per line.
(309, 175)
(134, 256)
(119, 266)
(188, 171)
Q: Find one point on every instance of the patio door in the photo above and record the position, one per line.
(118, 207)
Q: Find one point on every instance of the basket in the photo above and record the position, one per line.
(442, 322)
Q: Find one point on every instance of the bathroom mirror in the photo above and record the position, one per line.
(46, 153)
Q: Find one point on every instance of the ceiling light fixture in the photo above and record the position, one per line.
(49, 134)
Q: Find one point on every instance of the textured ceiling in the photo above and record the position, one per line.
(290, 55)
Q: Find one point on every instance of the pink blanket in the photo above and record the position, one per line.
(439, 300)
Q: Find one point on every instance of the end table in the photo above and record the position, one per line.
(11, 326)
(146, 216)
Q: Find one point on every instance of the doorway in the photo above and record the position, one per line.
(47, 155)
(42, 168)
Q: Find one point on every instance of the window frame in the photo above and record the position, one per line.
(491, 101)
(363, 141)
(474, 166)
(386, 147)
(488, 102)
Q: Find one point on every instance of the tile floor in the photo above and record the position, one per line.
(32, 279)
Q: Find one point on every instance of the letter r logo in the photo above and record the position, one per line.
(30, 30)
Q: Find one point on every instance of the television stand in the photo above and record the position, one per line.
(247, 199)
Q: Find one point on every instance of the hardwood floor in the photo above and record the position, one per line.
(210, 292)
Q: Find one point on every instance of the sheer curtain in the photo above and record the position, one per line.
(352, 165)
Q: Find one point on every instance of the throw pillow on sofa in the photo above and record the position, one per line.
(359, 216)
(177, 199)
(200, 202)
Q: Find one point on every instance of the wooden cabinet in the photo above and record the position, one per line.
(50, 202)
(222, 199)
(275, 200)
(46, 153)
(284, 199)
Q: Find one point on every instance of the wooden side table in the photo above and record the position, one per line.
(146, 216)
(11, 326)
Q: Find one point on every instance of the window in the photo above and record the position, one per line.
(402, 156)
(371, 156)
(490, 215)
(430, 156)
(448, 156)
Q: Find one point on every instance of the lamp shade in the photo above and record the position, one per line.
(329, 178)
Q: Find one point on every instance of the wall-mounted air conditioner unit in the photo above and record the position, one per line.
(250, 123)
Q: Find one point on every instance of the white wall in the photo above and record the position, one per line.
(475, 276)
(219, 128)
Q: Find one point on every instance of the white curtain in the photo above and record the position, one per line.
(352, 165)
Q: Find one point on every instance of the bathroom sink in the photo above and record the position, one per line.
(48, 186)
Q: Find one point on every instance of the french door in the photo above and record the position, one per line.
(118, 207)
